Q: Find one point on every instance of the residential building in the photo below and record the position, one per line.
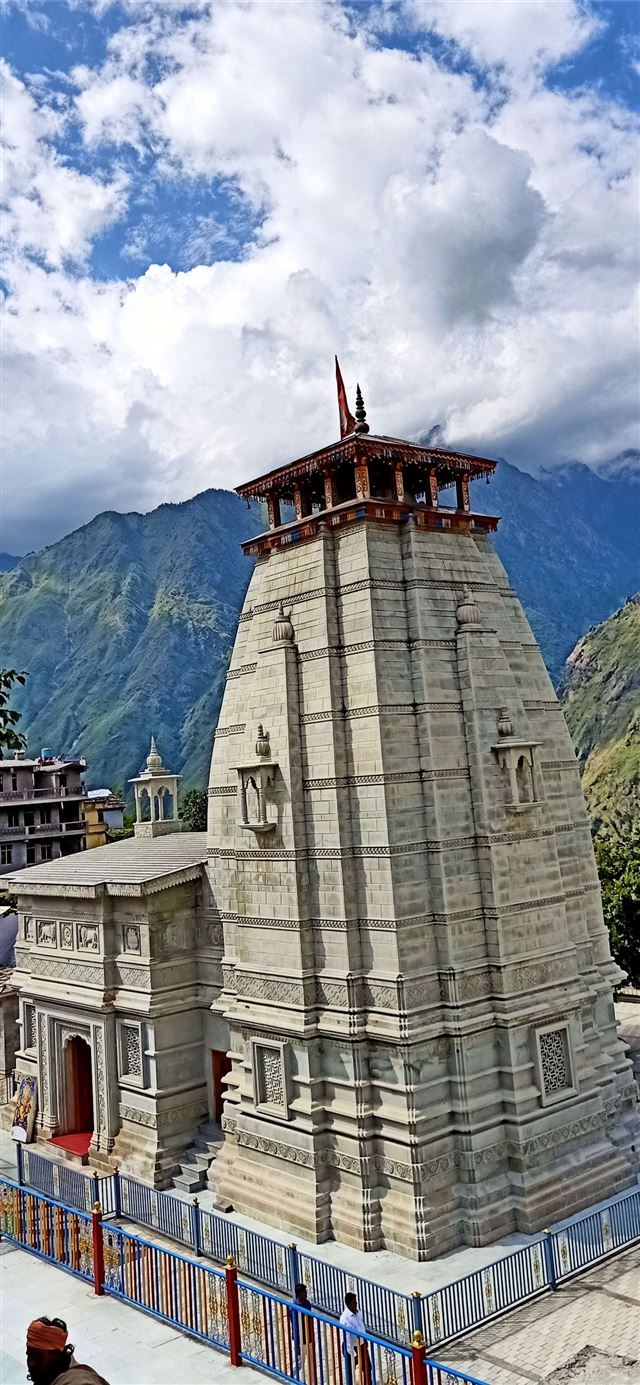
(102, 811)
(40, 809)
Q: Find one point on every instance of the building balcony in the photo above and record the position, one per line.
(55, 829)
(27, 795)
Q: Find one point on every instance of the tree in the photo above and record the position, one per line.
(10, 740)
(194, 810)
(619, 870)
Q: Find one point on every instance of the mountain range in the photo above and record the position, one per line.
(125, 626)
(601, 697)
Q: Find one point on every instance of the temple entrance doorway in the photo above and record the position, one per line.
(78, 1097)
(221, 1065)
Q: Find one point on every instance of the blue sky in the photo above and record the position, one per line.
(203, 203)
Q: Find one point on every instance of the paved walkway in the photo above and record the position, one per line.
(595, 1318)
(126, 1346)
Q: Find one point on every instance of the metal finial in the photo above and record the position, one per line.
(361, 414)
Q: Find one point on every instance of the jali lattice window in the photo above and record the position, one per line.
(555, 1063)
(131, 1051)
(270, 1078)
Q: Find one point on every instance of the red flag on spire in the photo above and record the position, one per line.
(347, 421)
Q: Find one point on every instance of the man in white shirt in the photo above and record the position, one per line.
(355, 1348)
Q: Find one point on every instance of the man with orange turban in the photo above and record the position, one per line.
(50, 1356)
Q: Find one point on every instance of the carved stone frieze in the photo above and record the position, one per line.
(423, 991)
(531, 974)
(273, 990)
(63, 969)
(60, 891)
(43, 1058)
(101, 1077)
(164, 1119)
(135, 978)
(334, 994)
(241, 670)
(551, 1139)
(130, 1113)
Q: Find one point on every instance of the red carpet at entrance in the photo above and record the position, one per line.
(74, 1144)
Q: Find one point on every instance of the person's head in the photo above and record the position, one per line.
(351, 1302)
(301, 1293)
(48, 1352)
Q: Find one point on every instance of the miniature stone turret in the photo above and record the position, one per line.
(156, 794)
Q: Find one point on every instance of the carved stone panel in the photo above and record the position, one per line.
(88, 940)
(130, 938)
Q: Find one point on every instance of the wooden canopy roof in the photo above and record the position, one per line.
(418, 462)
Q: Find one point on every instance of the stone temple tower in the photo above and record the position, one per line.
(417, 978)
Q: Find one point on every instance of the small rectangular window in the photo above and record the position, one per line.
(554, 1063)
(6, 855)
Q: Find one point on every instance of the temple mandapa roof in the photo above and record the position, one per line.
(137, 861)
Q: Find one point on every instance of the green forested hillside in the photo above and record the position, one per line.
(125, 627)
(602, 705)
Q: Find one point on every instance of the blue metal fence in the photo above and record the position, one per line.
(388, 1312)
(470, 1301)
(182, 1292)
(441, 1315)
(47, 1229)
(252, 1324)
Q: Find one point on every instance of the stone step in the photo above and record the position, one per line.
(193, 1158)
(210, 1130)
(196, 1160)
(209, 1147)
(190, 1183)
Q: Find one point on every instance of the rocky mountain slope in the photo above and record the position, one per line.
(601, 695)
(125, 626)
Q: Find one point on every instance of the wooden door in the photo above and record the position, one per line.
(221, 1065)
(79, 1087)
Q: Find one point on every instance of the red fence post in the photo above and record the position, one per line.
(233, 1310)
(98, 1249)
(418, 1366)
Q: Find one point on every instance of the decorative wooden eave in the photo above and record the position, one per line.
(356, 450)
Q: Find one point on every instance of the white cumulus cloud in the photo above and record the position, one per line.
(468, 250)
